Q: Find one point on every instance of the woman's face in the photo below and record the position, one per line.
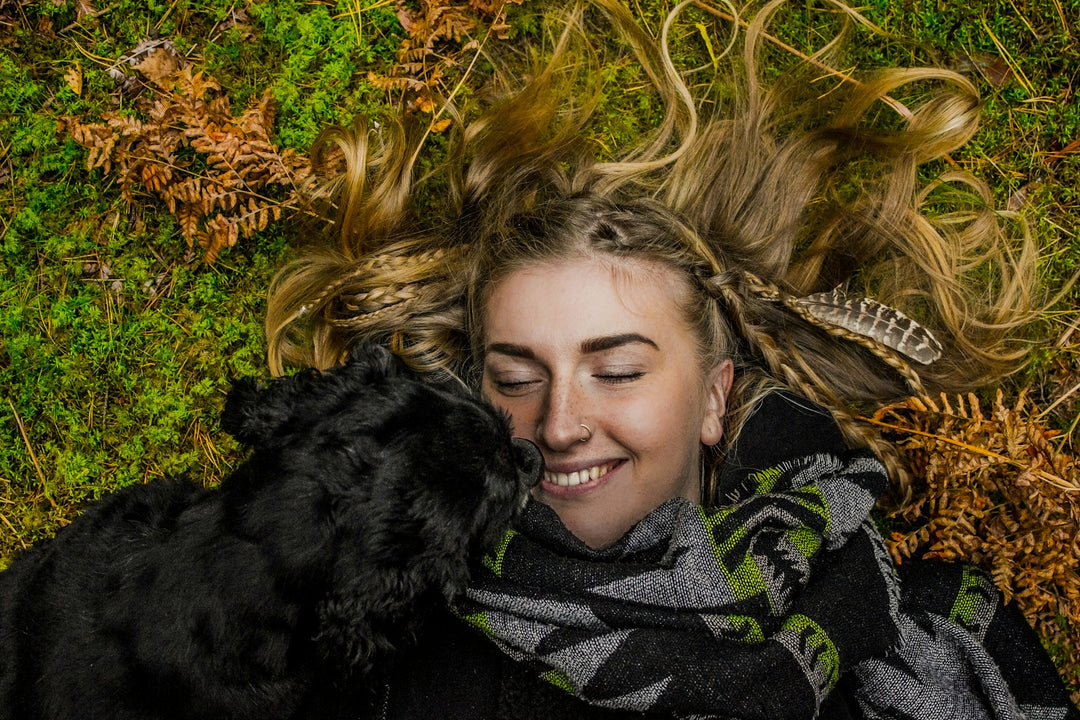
(602, 342)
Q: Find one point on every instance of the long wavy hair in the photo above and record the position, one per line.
(755, 193)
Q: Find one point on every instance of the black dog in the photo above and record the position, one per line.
(365, 495)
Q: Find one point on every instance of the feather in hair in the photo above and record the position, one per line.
(868, 317)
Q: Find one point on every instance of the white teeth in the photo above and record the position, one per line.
(577, 477)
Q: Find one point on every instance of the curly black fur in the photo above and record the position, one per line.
(366, 493)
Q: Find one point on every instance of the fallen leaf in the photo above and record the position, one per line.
(73, 77)
(425, 104)
(45, 27)
(240, 20)
(159, 66)
(998, 72)
(992, 67)
(1020, 198)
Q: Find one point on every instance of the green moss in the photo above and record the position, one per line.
(116, 351)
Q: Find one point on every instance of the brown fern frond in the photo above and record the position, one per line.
(440, 33)
(212, 205)
(994, 490)
(227, 193)
(395, 83)
(409, 54)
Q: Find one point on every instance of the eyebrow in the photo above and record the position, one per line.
(600, 344)
(592, 345)
(511, 349)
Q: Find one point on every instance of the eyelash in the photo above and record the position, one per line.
(512, 386)
(609, 378)
(619, 378)
(513, 383)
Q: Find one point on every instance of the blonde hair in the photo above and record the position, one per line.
(772, 196)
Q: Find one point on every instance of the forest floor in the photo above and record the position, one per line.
(151, 153)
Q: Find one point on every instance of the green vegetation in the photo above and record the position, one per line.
(117, 344)
(116, 348)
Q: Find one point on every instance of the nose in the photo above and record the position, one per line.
(559, 427)
(530, 462)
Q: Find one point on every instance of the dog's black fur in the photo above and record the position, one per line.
(365, 494)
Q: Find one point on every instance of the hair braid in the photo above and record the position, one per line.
(725, 288)
(884, 353)
(406, 297)
(741, 294)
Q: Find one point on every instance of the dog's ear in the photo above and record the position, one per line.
(253, 413)
(245, 416)
(372, 362)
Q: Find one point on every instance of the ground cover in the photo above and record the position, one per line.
(149, 157)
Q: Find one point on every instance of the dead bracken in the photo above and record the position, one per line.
(222, 196)
(994, 489)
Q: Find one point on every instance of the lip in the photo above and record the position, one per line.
(569, 491)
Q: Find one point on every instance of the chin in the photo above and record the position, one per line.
(595, 537)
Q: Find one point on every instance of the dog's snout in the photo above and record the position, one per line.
(530, 463)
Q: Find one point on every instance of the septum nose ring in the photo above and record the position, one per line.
(588, 433)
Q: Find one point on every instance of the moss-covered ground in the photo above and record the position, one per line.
(117, 344)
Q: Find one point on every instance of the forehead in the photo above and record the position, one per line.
(585, 297)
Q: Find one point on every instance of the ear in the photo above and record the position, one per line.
(253, 413)
(241, 417)
(374, 362)
(718, 384)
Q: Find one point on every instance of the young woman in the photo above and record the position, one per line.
(659, 324)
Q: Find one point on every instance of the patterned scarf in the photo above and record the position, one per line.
(762, 607)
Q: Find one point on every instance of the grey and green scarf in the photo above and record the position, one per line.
(765, 606)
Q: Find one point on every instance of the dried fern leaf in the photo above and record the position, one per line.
(868, 317)
(995, 490)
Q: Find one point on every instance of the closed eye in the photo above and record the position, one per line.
(618, 378)
(513, 387)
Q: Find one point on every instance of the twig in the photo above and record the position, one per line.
(1064, 339)
(1061, 16)
(1008, 58)
(99, 59)
(1066, 395)
(29, 448)
(1053, 157)
(95, 14)
(14, 532)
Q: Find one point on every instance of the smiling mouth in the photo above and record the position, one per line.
(578, 477)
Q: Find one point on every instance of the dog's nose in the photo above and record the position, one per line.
(530, 463)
